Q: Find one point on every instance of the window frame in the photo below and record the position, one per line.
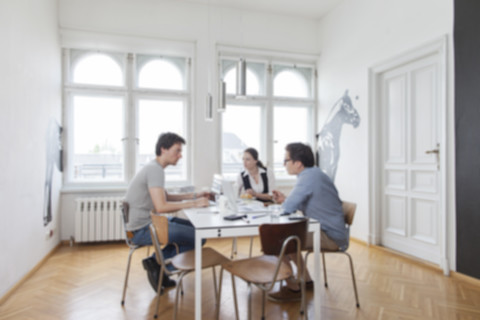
(269, 100)
(131, 93)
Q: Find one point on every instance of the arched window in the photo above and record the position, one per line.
(290, 83)
(98, 69)
(161, 74)
(114, 117)
(277, 109)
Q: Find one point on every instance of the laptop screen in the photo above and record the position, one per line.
(217, 183)
(230, 194)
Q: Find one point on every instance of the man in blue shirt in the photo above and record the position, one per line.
(316, 196)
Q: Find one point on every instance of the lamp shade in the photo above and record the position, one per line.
(242, 78)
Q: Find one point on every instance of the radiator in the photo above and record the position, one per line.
(99, 219)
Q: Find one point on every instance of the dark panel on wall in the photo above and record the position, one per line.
(467, 134)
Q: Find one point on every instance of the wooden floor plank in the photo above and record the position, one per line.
(85, 282)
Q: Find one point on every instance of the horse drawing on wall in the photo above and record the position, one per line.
(328, 138)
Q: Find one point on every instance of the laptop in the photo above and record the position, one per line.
(216, 188)
(240, 206)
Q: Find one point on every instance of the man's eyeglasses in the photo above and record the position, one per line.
(286, 160)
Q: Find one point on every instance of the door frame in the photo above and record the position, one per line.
(438, 47)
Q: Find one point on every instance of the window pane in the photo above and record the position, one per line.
(98, 69)
(292, 82)
(241, 129)
(290, 125)
(255, 77)
(97, 138)
(154, 118)
(161, 73)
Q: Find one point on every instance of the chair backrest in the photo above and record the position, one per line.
(349, 211)
(272, 236)
(125, 212)
(160, 223)
(154, 233)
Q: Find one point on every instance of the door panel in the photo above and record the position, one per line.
(424, 221)
(395, 117)
(424, 181)
(423, 114)
(396, 215)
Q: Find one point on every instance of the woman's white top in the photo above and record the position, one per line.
(257, 187)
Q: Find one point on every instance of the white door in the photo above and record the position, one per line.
(411, 201)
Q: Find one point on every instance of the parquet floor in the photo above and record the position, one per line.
(85, 282)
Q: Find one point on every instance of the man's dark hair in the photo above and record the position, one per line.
(301, 152)
(166, 141)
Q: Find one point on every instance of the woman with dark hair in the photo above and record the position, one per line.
(255, 181)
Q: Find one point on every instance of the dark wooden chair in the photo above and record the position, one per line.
(277, 240)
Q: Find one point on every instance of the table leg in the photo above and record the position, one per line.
(198, 276)
(316, 276)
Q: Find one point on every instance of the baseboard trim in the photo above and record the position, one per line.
(359, 241)
(29, 274)
(465, 278)
(410, 258)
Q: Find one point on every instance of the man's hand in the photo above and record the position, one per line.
(201, 202)
(278, 196)
(206, 194)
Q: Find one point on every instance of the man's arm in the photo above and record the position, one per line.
(162, 204)
(187, 196)
(299, 194)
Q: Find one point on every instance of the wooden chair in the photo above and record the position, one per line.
(264, 271)
(183, 262)
(349, 212)
(130, 244)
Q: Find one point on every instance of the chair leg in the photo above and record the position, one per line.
(219, 295)
(235, 302)
(180, 280)
(126, 275)
(324, 270)
(159, 293)
(249, 301)
(251, 246)
(234, 248)
(353, 278)
(264, 294)
(303, 310)
(214, 281)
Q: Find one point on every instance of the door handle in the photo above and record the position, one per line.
(437, 153)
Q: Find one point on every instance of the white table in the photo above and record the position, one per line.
(212, 225)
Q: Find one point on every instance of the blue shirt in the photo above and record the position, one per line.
(316, 196)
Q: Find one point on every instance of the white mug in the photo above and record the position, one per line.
(222, 204)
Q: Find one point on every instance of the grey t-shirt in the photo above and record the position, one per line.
(138, 196)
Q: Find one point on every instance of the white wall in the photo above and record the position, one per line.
(29, 98)
(358, 35)
(204, 27)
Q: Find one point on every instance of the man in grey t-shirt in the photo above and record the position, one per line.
(146, 192)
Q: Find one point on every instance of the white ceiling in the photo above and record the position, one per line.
(313, 9)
